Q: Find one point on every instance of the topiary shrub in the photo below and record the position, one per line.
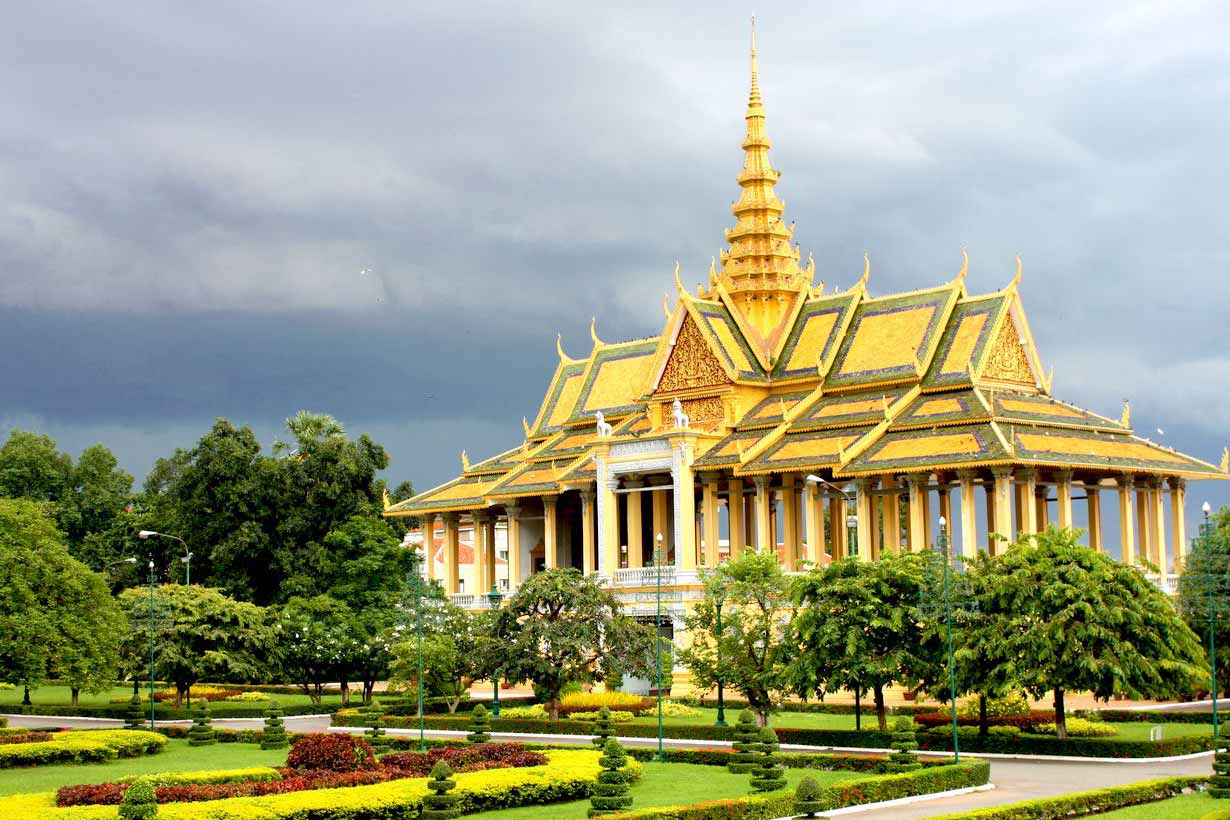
(807, 798)
(440, 805)
(139, 802)
(480, 725)
(274, 736)
(202, 732)
(904, 745)
(375, 735)
(334, 752)
(1219, 783)
(133, 716)
(610, 792)
(603, 728)
(745, 745)
(769, 775)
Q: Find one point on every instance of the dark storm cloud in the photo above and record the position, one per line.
(188, 195)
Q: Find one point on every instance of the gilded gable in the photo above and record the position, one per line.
(692, 363)
(1006, 361)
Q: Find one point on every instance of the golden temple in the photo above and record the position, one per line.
(813, 422)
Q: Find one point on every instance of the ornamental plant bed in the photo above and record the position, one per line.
(1024, 722)
(25, 737)
(471, 758)
(1081, 804)
(226, 709)
(1149, 716)
(81, 746)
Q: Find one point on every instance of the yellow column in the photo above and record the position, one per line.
(837, 527)
(1093, 505)
(1144, 544)
(636, 546)
(877, 514)
(791, 535)
(1063, 491)
(514, 545)
(1026, 500)
(661, 520)
(892, 516)
(1041, 513)
(588, 547)
(918, 512)
(710, 514)
(1157, 523)
(944, 492)
(684, 485)
(764, 515)
(1178, 523)
(814, 502)
(1002, 507)
(609, 522)
(550, 543)
(736, 520)
(479, 550)
(452, 548)
(428, 527)
(863, 505)
(489, 544)
(1127, 536)
(969, 515)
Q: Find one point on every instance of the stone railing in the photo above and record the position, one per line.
(467, 601)
(644, 577)
(1168, 583)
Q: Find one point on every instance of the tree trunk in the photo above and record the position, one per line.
(136, 688)
(180, 690)
(983, 726)
(345, 693)
(553, 708)
(76, 691)
(881, 712)
(368, 687)
(315, 693)
(1061, 719)
(858, 710)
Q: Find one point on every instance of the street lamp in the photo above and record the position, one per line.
(657, 565)
(952, 669)
(153, 578)
(416, 589)
(719, 598)
(1206, 532)
(496, 599)
(111, 564)
(851, 520)
(852, 529)
(186, 560)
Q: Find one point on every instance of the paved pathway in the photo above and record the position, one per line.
(1014, 780)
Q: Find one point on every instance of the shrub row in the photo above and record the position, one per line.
(1020, 744)
(1024, 722)
(24, 737)
(1080, 804)
(470, 758)
(82, 746)
(112, 794)
(796, 760)
(838, 795)
(225, 709)
(818, 707)
(1150, 716)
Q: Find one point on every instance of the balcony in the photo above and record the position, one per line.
(645, 577)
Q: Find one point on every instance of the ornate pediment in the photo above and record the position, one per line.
(692, 363)
(1006, 360)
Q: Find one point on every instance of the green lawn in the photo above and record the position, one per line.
(1183, 807)
(63, 695)
(669, 784)
(178, 756)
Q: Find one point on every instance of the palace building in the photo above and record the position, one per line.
(776, 413)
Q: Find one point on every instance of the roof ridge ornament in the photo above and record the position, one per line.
(525, 425)
(1225, 460)
(666, 304)
(593, 331)
(564, 358)
(1016, 279)
(1050, 377)
(1126, 418)
(862, 282)
(678, 282)
(465, 460)
(964, 267)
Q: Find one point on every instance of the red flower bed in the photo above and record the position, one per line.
(333, 752)
(465, 758)
(25, 737)
(221, 694)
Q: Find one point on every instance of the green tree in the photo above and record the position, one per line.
(1207, 564)
(753, 651)
(96, 495)
(610, 792)
(561, 626)
(768, 775)
(319, 640)
(31, 466)
(1070, 618)
(55, 614)
(858, 627)
(807, 802)
(457, 651)
(745, 744)
(202, 732)
(480, 725)
(200, 633)
(274, 734)
(140, 801)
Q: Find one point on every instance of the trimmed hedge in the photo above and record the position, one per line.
(1019, 744)
(224, 709)
(1150, 716)
(808, 706)
(82, 746)
(1083, 803)
(835, 796)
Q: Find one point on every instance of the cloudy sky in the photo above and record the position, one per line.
(189, 194)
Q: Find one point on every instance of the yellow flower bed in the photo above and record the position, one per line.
(567, 777)
(81, 746)
(596, 700)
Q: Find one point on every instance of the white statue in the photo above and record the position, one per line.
(681, 418)
(604, 429)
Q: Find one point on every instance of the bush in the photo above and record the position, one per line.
(535, 712)
(1009, 705)
(475, 757)
(603, 728)
(769, 775)
(440, 805)
(745, 744)
(201, 733)
(1219, 784)
(1082, 803)
(133, 717)
(82, 746)
(610, 793)
(110, 794)
(480, 725)
(274, 735)
(617, 716)
(807, 798)
(671, 708)
(249, 697)
(139, 802)
(593, 701)
(332, 752)
(904, 744)
(25, 737)
(375, 736)
(1079, 727)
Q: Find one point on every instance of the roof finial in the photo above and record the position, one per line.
(1225, 460)
(1016, 280)
(964, 266)
(559, 347)
(678, 283)
(712, 272)
(525, 425)
(755, 70)
(866, 270)
(1126, 418)
(666, 304)
(465, 460)
(593, 331)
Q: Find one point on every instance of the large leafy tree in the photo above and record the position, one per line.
(458, 649)
(320, 641)
(752, 653)
(199, 633)
(561, 626)
(31, 466)
(96, 496)
(1208, 571)
(1067, 618)
(858, 627)
(56, 616)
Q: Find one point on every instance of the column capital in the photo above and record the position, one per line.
(1002, 471)
(966, 474)
(761, 482)
(612, 484)
(449, 517)
(587, 496)
(1153, 482)
(479, 516)
(549, 501)
(1025, 474)
(631, 480)
(512, 511)
(867, 484)
(710, 477)
(1126, 481)
(1176, 483)
(918, 479)
(1063, 476)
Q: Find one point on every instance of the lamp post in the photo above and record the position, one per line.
(152, 636)
(186, 560)
(851, 520)
(952, 669)
(1206, 532)
(657, 566)
(416, 590)
(111, 564)
(719, 598)
(496, 599)
(852, 533)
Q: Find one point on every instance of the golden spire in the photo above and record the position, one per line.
(761, 265)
